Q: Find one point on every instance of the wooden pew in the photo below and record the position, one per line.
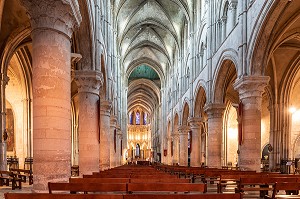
(86, 187)
(128, 180)
(157, 180)
(103, 175)
(166, 187)
(234, 178)
(23, 174)
(286, 186)
(8, 176)
(99, 180)
(61, 196)
(154, 176)
(263, 185)
(183, 196)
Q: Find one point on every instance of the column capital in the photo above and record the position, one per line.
(88, 81)
(175, 136)
(251, 86)
(113, 121)
(105, 107)
(224, 19)
(233, 4)
(4, 79)
(120, 136)
(195, 122)
(183, 129)
(214, 110)
(62, 16)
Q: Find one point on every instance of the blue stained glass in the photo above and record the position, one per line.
(145, 118)
(131, 118)
(137, 118)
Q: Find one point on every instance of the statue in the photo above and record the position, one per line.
(5, 135)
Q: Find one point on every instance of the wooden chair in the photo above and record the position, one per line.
(23, 174)
(8, 176)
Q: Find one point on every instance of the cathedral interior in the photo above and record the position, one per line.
(96, 84)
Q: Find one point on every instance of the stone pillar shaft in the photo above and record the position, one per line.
(118, 152)
(113, 139)
(250, 90)
(215, 129)
(3, 145)
(105, 107)
(51, 82)
(195, 124)
(176, 148)
(51, 86)
(88, 83)
(183, 136)
(169, 156)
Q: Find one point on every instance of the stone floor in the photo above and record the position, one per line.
(25, 188)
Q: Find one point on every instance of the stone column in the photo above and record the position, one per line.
(119, 153)
(250, 90)
(183, 136)
(232, 12)
(113, 139)
(215, 129)
(175, 148)
(52, 25)
(224, 34)
(169, 156)
(3, 145)
(105, 108)
(195, 124)
(88, 83)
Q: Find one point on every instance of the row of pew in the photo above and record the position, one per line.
(244, 182)
(163, 182)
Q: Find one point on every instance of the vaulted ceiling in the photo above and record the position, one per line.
(150, 33)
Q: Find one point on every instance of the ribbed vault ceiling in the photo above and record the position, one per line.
(149, 30)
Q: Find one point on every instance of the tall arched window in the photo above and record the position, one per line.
(145, 118)
(137, 118)
(131, 118)
(137, 150)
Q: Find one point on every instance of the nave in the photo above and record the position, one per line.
(90, 85)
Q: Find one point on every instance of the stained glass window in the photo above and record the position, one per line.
(145, 118)
(131, 118)
(137, 118)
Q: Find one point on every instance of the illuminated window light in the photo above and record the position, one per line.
(292, 109)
